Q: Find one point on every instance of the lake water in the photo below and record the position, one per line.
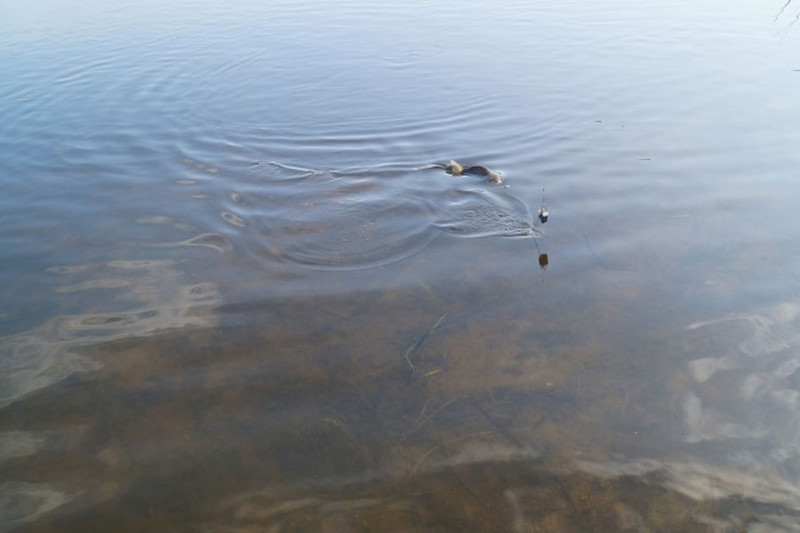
(235, 295)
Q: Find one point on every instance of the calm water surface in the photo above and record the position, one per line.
(234, 296)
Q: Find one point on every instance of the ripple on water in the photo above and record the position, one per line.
(485, 213)
(324, 221)
(364, 218)
(232, 219)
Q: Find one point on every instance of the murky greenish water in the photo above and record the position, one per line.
(234, 296)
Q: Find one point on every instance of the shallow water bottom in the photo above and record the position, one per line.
(387, 411)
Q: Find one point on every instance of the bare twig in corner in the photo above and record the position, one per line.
(780, 12)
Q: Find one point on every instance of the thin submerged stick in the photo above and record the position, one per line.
(422, 412)
(421, 342)
(444, 446)
(422, 460)
(423, 418)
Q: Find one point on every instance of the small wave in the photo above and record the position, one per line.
(483, 213)
(345, 219)
(342, 224)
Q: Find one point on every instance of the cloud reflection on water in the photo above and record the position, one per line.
(155, 298)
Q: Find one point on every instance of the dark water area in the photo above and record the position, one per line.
(237, 294)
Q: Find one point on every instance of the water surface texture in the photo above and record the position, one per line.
(235, 295)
